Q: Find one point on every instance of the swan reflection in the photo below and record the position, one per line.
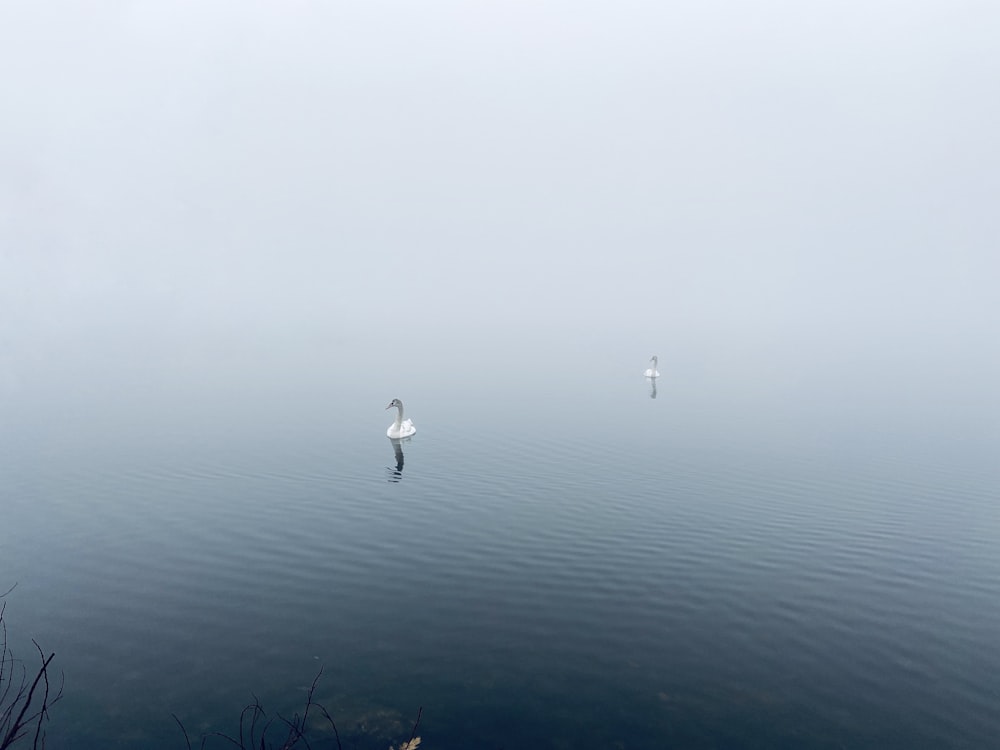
(652, 387)
(397, 448)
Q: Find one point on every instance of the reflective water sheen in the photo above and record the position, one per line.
(553, 561)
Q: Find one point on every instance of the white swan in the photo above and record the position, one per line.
(652, 372)
(399, 428)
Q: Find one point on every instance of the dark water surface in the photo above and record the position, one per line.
(559, 563)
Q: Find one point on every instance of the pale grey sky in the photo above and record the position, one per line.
(209, 184)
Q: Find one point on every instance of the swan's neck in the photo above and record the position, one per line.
(654, 361)
(399, 415)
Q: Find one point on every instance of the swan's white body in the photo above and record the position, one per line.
(400, 428)
(652, 372)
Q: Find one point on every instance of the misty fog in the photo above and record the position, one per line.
(786, 202)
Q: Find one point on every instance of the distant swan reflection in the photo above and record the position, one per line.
(652, 387)
(397, 448)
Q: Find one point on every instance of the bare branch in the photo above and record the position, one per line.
(23, 704)
(186, 740)
(416, 724)
(333, 726)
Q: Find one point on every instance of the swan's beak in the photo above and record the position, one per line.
(389, 406)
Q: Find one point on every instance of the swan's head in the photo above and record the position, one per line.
(653, 359)
(395, 402)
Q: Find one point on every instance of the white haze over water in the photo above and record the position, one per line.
(792, 204)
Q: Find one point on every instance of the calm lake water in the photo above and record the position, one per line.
(562, 560)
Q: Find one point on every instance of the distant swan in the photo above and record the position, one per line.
(652, 372)
(399, 428)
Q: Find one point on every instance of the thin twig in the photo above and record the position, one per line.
(186, 740)
(45, 699)
(415, 725)
(333, 726)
